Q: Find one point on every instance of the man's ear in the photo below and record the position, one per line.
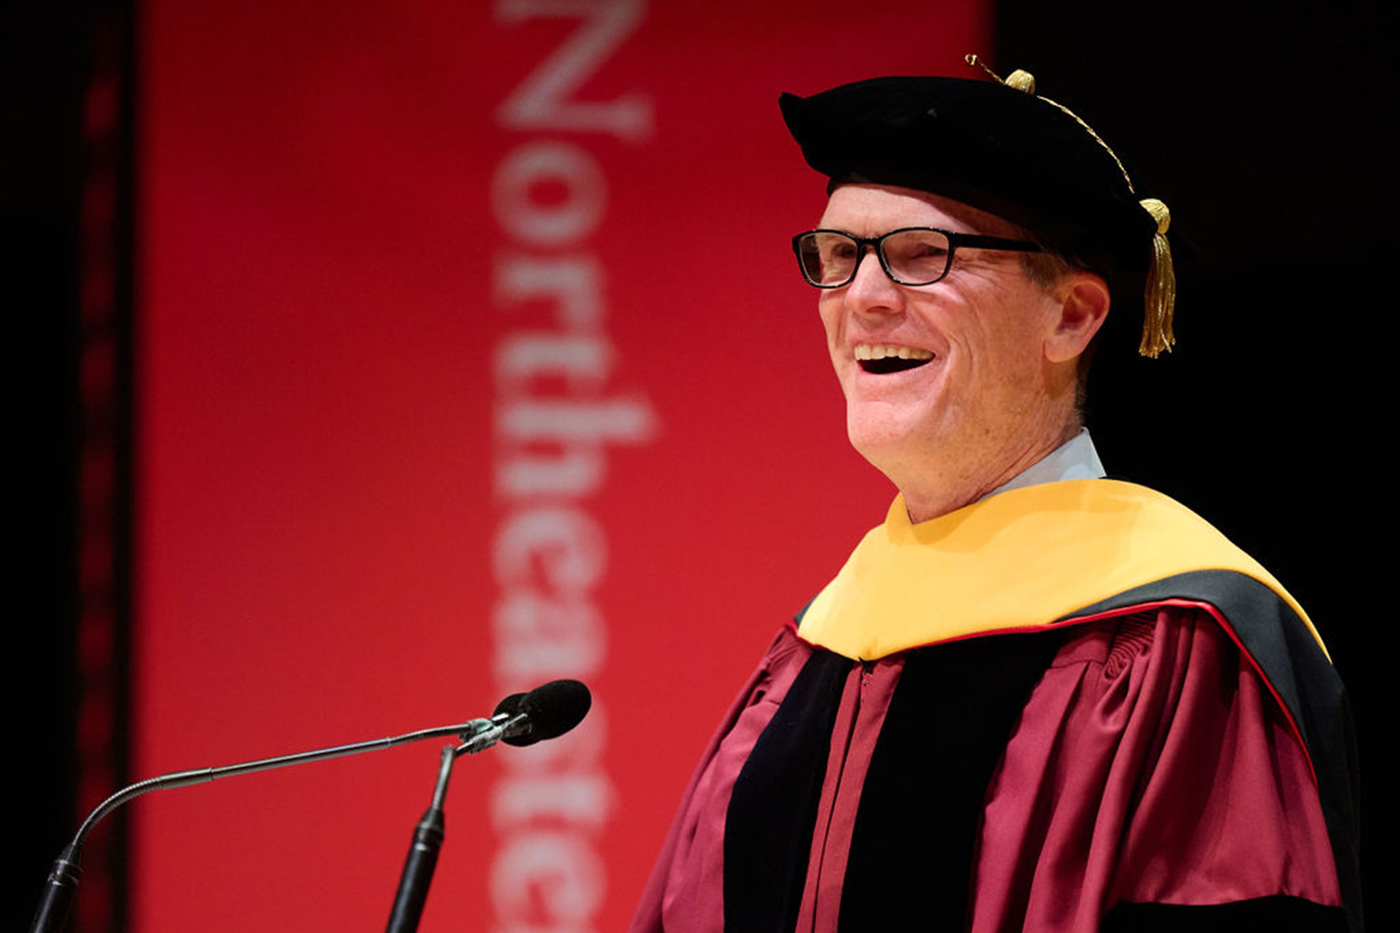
(1083, 304)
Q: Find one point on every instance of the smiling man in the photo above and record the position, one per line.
(1034, 698)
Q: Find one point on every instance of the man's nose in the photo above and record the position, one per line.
(871, 290)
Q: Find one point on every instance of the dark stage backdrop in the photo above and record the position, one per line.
(473, 355)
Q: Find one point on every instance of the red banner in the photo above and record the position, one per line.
(473, 356)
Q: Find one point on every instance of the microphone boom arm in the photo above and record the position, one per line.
(67, 868)
(466, 731)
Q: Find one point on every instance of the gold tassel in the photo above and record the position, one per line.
(1159, 299)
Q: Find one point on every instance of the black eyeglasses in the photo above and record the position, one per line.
(909, 255)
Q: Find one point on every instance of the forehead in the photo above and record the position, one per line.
(869, 210)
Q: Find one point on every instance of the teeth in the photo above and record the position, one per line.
(879, 351)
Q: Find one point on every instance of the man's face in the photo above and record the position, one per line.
(978, 397)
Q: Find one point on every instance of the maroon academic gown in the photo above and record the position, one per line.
(1138, 770)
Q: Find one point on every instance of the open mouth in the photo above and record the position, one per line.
(880, 359)
(890, 365)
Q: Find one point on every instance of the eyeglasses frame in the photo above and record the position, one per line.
(970, 240)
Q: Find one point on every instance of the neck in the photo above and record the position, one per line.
(931, 493)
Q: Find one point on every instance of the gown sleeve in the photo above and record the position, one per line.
(1153, 778)
(685, 892)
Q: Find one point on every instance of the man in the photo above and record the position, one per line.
(1033, 698)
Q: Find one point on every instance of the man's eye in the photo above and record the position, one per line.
(921, 252)
(919, 247)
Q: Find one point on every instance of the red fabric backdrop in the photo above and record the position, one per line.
(473, 355)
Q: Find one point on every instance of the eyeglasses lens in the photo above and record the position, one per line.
(916, 257)
(828, 258)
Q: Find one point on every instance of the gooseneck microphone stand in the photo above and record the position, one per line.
(520, 719)
(62, 882)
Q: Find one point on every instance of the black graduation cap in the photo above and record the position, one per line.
(996, 146)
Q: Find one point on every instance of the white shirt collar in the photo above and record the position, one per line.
(1076, 458)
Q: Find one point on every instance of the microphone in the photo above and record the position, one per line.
(546, 712)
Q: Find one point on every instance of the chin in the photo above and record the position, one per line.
(884, 441)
